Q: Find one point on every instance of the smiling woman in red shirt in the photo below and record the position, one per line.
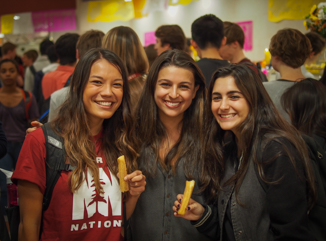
(95, 124)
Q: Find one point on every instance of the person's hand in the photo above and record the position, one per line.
(35, 125)
(194, 211)
(137, 183)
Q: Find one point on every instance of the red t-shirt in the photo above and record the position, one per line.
(56, 80)
(83, 215)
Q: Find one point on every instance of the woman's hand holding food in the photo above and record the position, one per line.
(137, 182)
(194, 211)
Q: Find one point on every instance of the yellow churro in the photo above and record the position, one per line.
(186, 196)
(124, 187)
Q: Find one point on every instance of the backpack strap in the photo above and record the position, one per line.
(68, 81)
(55, 161)
(44, 117)
(45, 114)
(27, 96)
(33, 70)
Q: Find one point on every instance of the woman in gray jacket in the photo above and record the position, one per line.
(258, 163)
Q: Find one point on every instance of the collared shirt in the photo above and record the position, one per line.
(56, 80)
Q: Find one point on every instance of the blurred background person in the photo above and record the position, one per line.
(169, 37)
(124, 42)
(38, 64)
(151, 54)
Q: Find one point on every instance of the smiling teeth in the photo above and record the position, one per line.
(172, 104)
(227, 116)
(105, 103)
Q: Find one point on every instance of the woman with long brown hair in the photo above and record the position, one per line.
(258, 162)
(96, 126)
(169, 127)
(125, 43)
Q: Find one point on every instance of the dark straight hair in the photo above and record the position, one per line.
(305, 102)
(263, 119)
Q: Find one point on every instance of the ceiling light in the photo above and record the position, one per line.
(16, 17)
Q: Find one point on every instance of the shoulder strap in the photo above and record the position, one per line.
(55, 161)
(33, 70)
(46, 113)
(68, 81)
(27, 96)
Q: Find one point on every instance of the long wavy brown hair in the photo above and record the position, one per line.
(263, 120)
(73, 125)
(151, 131)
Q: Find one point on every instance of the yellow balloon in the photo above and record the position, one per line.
(267, 56)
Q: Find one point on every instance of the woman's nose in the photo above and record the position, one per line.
(174, 92)
(224, 104)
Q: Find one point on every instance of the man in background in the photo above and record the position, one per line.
(289, 49)
(207, 38)
(65, 48)
(41, 62)
(54, 63)
(29, 58)
(233, 51)
(90, 39)
(169, 37)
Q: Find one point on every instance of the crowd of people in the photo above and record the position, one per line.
(256, 149)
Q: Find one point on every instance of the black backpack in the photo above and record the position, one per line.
(55, 163)
(44, 104)
(38, 84)
(33, 70)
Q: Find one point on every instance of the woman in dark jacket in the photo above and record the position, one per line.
(258, 163)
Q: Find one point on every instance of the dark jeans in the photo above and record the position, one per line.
(8, 162)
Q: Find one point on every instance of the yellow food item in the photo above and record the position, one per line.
(124, 187)
(186, 196)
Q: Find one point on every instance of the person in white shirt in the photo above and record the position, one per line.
(41, 62)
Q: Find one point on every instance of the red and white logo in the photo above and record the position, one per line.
(87, 201)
